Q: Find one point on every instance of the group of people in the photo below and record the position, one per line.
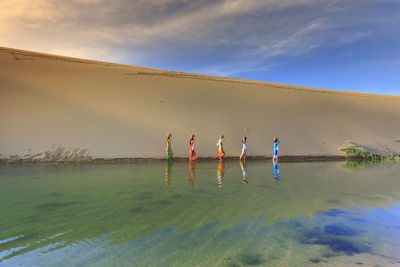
(221, 151)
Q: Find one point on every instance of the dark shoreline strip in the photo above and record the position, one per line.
(177, 159)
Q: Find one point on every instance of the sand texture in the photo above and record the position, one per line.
(90, 109)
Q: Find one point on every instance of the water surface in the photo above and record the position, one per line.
(201, 214)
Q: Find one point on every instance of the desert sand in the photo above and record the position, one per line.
(112, 111)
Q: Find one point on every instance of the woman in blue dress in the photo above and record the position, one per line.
(276, 150)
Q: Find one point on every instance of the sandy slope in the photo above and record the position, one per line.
(123, 111)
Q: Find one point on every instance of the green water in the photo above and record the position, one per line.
(205, 214)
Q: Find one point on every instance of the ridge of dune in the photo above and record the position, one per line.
(114, 110)
(177, 74)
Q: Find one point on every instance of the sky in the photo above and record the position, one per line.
(351, 45)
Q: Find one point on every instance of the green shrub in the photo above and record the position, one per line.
(354, 150)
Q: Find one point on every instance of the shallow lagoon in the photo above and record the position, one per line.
(207, 213)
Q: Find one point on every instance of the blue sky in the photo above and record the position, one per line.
(349, 45)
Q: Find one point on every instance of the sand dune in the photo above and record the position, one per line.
(114, 110)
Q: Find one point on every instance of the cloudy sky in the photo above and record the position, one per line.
(337, 44)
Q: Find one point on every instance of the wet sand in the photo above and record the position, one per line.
(175, 159)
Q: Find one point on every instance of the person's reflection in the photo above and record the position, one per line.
(243, 166)
(276, 178)
(220, 173)
(192, 168)
(168, 173)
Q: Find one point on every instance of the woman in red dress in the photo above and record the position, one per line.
(193, 155)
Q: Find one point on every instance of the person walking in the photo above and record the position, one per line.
(275, 158)
(192, 155)
(243, 156)
(220, 145)
(168, 148)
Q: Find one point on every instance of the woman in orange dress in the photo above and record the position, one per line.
(220, 145)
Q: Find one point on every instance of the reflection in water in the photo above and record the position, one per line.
(359, 165)
(243, 166)
(106, 215)
(276, 178)
(220, 173)
(192, 168)
(168, 173)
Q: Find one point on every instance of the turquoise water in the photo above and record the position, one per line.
(204, 214)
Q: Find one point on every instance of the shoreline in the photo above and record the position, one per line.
(301, 158)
